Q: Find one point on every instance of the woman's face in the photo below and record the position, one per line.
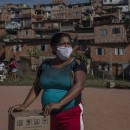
(64, 48)
(64, 42)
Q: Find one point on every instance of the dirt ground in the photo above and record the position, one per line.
(104, 109)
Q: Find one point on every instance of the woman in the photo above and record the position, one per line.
(2, 67)
(13, 68)
(62, 79)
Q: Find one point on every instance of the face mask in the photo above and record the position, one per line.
(64, 52)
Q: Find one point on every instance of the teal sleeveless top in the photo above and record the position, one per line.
(56, 83)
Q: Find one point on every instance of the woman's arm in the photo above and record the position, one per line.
(79, 84)
(80, 72)
(32, 95)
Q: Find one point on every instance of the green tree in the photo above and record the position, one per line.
(34, 52)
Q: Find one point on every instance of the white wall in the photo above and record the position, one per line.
(124, 8)
(111, 1)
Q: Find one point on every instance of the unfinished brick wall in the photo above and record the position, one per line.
(109, 37)
(109, 54)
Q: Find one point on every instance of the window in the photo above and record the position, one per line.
(115, 30)
(103, 32)
(61, 14)
(17, 48)
(119, 51)
(27, 32)
(105, 0)
(75, 14)
(36, 25)
(99, 51)
(44, 47)
(14, 48)
(103, 67)
(110, 0)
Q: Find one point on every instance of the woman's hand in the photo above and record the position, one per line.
(48, 108)
(16, 108)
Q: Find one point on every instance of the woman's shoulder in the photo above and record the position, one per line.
(78, 61)
(46, 61)
(79, 65)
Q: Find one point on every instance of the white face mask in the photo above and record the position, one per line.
(64, 52)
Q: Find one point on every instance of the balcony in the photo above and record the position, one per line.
(38, 36)
(26, 15)
(37, 27)
(67, 28)
(52, 29)
(6, 40)
(12, 26)
(39, 17)
(15, 16)
(49, 36)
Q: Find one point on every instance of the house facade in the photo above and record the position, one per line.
(110, 53)
(96, 28)
(27, 48)
(27, 26)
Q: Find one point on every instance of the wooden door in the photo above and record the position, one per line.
(114, 70)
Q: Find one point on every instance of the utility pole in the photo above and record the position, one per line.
(110, 60)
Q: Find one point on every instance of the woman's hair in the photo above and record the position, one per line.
(57, 38)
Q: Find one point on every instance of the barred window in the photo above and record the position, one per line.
(99, 51)
(116, 31)
(103, 32)
(17, 48)
(119, 51)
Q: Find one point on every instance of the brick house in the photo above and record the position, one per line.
(110, 53)
(26, 46)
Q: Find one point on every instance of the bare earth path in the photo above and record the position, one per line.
(104, 109)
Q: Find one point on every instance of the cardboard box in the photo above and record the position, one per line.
(28, 120)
